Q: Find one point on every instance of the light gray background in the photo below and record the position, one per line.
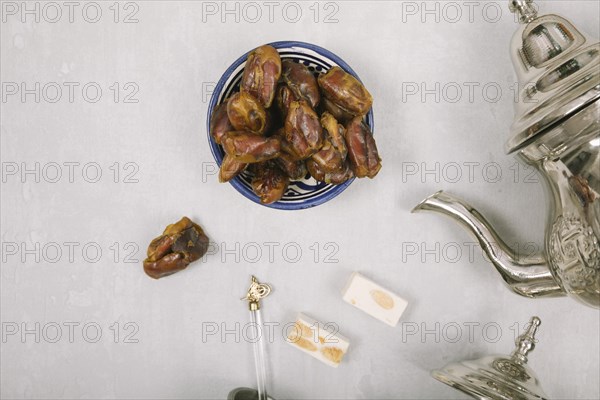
(174, 57)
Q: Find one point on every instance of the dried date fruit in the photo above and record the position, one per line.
(287, 160)
(337, 178)
(246, 113)
(303, 130)
(334, 178)
(315, 170)
(180, 244)
(328, 158)
(284, 98)
(219, 123)
(362, 150)
(345, 91)
(261, 74)
(339, 114)
(286, 147)
(336, 133)
(248, 147)
(294, 169)
(301, 82)
(230, 168)
(269, 182)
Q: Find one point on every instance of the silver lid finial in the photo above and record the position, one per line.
(526, 342)
(525, 10)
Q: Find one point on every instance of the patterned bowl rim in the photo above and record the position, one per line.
(335, 190)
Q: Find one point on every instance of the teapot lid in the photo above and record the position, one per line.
(497, 377)
(558, 69)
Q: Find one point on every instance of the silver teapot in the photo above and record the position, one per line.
(557, 130)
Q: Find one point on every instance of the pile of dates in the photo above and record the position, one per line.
(285, 122)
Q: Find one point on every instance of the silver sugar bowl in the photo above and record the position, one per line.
(557, 130)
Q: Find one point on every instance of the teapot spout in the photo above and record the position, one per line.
(526, 276)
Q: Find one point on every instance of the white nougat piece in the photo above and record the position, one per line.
(319, 340)
(376, 301)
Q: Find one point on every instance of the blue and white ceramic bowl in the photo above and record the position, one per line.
(301, 194)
